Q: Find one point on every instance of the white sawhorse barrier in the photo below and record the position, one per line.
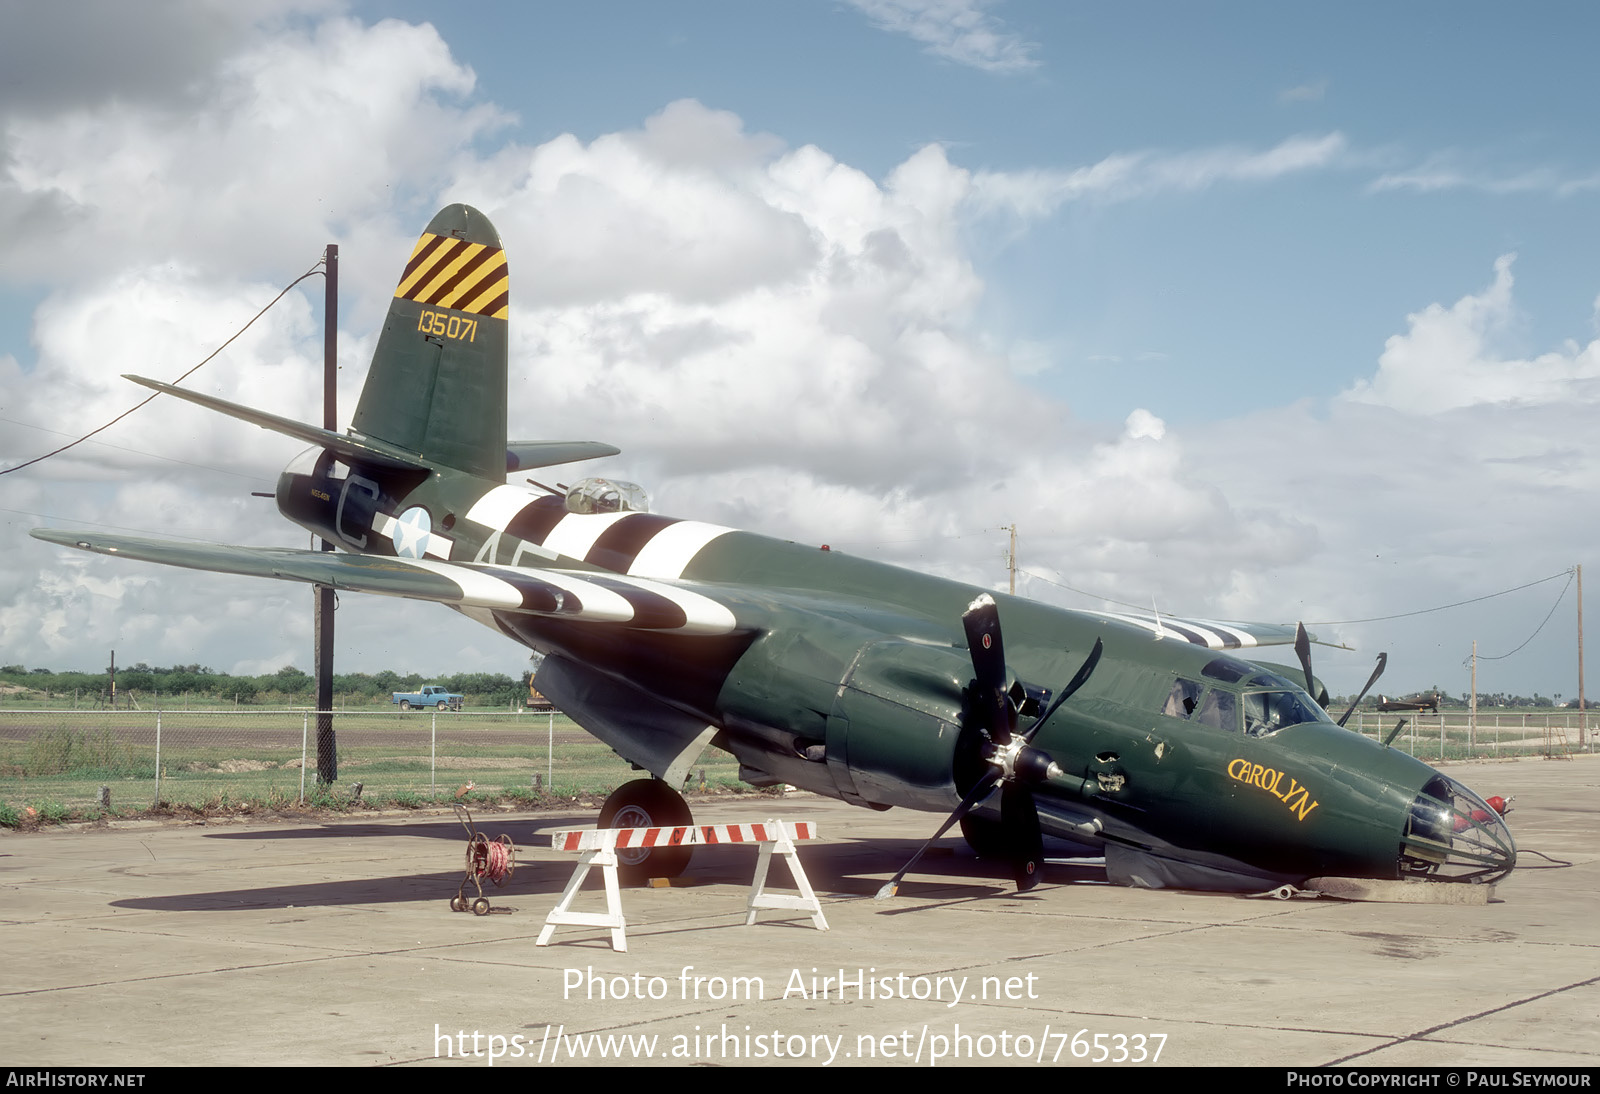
(598, 847)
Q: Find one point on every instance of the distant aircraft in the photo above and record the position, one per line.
(1428, 701)
(1162, 742)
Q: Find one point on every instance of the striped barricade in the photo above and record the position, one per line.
(599, 846)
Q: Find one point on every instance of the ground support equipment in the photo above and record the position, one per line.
(598, 847)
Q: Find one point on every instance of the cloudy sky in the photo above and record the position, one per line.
(1254, 311)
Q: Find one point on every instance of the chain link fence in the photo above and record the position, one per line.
(62, 763)
(75, 763)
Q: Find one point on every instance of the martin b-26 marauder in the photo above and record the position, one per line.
(1162, 742)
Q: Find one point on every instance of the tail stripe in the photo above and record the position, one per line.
(462, 271)
(439, 273)
(425, 266)
(484, 291)
(426, 245)
(453, 273)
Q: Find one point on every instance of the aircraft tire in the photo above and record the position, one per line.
(647, 803)
(986, 837)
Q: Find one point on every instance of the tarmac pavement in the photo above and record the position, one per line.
(331, 942)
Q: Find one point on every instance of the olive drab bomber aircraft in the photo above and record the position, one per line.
(1163, 744)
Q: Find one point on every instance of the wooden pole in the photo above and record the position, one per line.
(1583, 719)
(1472, 718)
(322, 596)
(1011, 560)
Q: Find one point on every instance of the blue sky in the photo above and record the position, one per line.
(1233, 285)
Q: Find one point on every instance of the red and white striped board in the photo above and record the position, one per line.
(594, 839)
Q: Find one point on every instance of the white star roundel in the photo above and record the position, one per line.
(411, 532)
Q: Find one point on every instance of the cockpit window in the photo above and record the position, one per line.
(1269, 711)
(1219, 710)
(1227, 670)
(1181, 702)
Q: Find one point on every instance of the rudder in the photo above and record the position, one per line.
(437, 383)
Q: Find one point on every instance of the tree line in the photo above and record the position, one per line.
(289, 685)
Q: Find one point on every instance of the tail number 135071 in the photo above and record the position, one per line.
(448, 326)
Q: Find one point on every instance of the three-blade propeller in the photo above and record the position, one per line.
(1012, 760)
(1302, 649)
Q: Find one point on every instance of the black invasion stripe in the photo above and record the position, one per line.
(422, 256)
(462, 274)
(651, 611)
(1192, 636)
(534, 521)
(537, 595)
(620, 544)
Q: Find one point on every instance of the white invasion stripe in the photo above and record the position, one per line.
(496, 508)
(1213, 640)
(1244, 638)
(670, 550)
(678, 771)
(599, 603)
(705, 616)
(575, 533)
(477, 589)
(385, 525)
(1147, 624)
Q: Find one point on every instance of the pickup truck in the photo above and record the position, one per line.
(430, 696)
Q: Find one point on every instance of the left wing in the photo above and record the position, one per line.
(590, 596)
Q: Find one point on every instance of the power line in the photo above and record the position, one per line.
(73, 444)
(139, 452)
(1562, 596)
(1443, 607)
(1568, 573)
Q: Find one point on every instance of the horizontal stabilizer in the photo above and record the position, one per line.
(375, 453)
(526, 455)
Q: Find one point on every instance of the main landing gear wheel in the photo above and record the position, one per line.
(647, 803)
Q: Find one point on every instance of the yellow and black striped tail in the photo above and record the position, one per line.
(437, 385)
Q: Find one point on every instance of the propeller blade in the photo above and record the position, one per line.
(1395, 732)
(1302, 650)
(1383, 661)
(1019, 816)
(1019, 819)
(995, 713)
(1080, 678)
(980, 790)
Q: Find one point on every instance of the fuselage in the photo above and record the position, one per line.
(848, 677)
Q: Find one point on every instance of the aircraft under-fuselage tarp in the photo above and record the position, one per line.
(1162, 741)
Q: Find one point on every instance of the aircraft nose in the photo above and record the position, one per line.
(1454, 835)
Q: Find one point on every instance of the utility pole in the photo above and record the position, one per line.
(1583, 718)
(1011, 559)
(1472, 718)
(322, 596)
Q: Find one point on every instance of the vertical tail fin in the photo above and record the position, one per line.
(437, 384)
